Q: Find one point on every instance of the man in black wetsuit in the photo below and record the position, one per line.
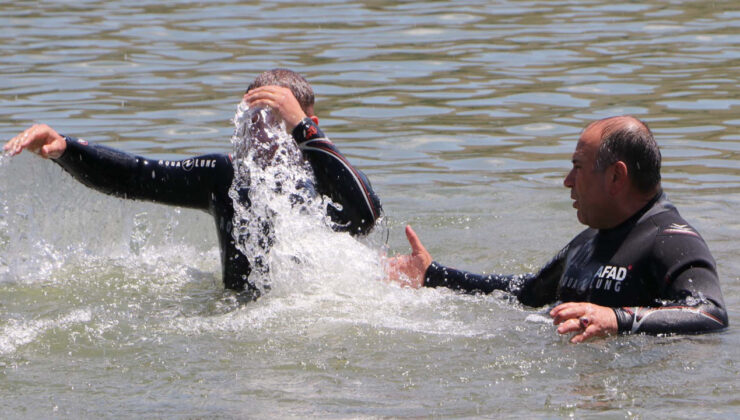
(639, 267)
(203, 182)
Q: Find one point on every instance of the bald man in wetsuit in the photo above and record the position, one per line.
(203, 182)
(639, 267)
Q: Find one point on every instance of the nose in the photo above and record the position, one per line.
(568, 181)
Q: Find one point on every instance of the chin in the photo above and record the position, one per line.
(581, 219)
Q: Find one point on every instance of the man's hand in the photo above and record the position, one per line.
(585, 319)
(40, 139)
(279, 99)
(409, 270)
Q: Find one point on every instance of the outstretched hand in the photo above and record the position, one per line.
(280, 99)
(40, 139)
(585, 319)
(409, 270)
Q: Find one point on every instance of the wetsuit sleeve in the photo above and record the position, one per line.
(187, 183)
(438, 275)
(530, 289)
(691, 297)
(359, 206)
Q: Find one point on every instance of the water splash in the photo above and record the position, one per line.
(4, 155)
(16, 333)
(272, 193)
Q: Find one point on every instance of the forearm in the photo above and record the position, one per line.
(339, 180)
(124, 175)
(101, 168)
(678, 319)
(440, 276)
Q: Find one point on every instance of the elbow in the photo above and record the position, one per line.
(356, 223)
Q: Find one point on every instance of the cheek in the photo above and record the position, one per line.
(581, 183)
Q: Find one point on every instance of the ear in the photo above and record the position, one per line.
(617, 178)
(315, 119)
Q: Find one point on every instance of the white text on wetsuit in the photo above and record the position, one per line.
(607, 277)
(189, 164)
(610, 276)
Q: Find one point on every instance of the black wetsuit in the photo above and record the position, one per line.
(654, 270)
(203, 183)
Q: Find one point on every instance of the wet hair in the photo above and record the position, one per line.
(289, 79)
(629, 140)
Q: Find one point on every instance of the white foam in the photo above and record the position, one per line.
(19, 333)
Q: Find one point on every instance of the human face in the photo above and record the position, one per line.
(588, 186)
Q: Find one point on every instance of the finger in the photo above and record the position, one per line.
(566, 313)
(416, 245)
(273, 92)
(566, 305)
(259, 93)
(258, 96)
(262, 102)
(589, 332)
(27, 137)
(569, 326)
(14, 146)
(554, 311)
(9, 144)
(50, 151)
(259, 90)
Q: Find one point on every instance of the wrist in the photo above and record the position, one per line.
(625, 319)
(67, 141)
(434, 275)
(306, 130)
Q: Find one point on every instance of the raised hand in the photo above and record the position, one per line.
(409, 270)
(279, 99)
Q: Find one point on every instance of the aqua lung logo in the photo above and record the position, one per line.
(188, 164)
(609, 277)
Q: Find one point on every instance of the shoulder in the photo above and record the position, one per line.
(669, 223)
(675, 241)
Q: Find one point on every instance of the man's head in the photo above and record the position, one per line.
(289, 79)
(616, 170)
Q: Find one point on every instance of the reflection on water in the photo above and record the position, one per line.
(463, 114)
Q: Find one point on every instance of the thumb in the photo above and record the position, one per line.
(416, 246)
(49, 151)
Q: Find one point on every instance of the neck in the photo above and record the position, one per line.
(630, 205)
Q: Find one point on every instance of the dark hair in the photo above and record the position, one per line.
(629, 140)
(289, 79)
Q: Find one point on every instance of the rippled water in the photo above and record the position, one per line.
(463, 114)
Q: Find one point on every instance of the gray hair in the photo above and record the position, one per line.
(627, 139)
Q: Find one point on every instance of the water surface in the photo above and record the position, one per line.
(463, 115)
